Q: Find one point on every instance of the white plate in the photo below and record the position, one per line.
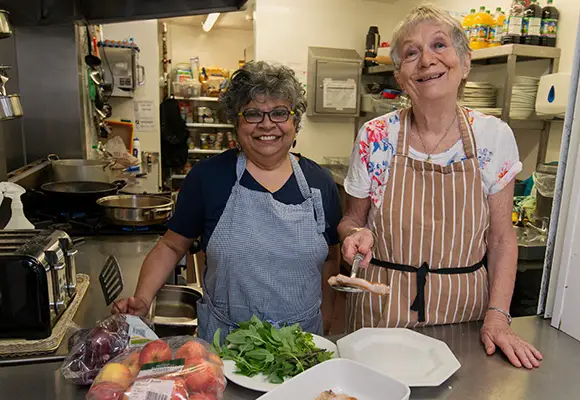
(406, 355)
(260, 382)
(341, 376)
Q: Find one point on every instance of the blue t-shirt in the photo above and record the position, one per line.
(207, 188)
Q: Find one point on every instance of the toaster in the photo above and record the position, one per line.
(37, 281)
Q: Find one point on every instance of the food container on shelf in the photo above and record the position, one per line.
(342, 377)
(205, 115)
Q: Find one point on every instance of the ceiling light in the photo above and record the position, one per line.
(210, 21)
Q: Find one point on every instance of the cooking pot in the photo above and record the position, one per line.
(136, 210)
(80, 170)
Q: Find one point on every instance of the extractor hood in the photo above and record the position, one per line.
(51, 12)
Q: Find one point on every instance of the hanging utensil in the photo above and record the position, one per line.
(353, 272)
(5, 26)
(4, 78)
(91, 60)
(111, 280)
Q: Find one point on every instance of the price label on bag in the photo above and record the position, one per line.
(151, 389)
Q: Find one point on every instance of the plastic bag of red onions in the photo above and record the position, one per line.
(91, 349)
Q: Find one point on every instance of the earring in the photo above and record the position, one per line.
(294, 143)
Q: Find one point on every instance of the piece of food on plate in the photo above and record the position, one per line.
(330, 395)
(259, 348)
(374, 287)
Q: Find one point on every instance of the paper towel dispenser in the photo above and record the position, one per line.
(333, 83)
(553, 93)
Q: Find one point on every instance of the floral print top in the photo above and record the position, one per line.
(376, 144)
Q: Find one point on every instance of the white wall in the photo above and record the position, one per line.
(285, 30)
(145, 35)
(219, 47)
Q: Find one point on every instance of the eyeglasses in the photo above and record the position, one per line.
(257, 116)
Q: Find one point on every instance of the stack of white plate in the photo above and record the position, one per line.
(524, 93)
(479, 95)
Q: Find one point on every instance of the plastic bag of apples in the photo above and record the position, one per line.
(175, 368)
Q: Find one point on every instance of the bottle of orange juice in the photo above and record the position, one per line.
(468, 23)
(480, 31)
(499, 24)
(492, 32)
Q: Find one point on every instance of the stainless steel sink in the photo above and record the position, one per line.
(531, 244)
(174, 310)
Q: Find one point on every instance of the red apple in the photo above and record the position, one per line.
(204, 379)
(115, 373)
(179, 389)
(106, 391)
(214, 358)
(191, 349)
(202, 396)
(128, 392)
(193, 363)
(155, 351)
(132, 362)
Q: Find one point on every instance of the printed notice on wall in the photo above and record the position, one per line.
(339, 94)
(144, 115)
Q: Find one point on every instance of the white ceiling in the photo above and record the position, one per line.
(233, 20)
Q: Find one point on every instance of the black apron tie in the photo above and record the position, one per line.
(418, 304)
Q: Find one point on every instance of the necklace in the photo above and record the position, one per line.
(439, 142)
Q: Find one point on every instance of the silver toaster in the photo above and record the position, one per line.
(37, 281)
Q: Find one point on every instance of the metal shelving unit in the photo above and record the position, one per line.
(205, 151)
(200, 99)
(204, 125)
(509, 55)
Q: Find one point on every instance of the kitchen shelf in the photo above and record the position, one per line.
(202, 125)
(379, 69)
(205, 151)
(212, 99)
(524, 52)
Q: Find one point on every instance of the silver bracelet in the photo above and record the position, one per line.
(505, 313)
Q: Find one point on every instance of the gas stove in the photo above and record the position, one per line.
(79, 223)
(88, 224)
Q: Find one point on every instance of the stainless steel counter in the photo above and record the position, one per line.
(480, 377)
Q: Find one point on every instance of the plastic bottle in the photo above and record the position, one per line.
(137, 149)
(532, 24)
(492, 35)
(550, 17)
(499, 19)
(468, 23)
(480, 30)
(513, 23)
(13, 192)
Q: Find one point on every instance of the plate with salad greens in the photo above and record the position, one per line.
(260, 357)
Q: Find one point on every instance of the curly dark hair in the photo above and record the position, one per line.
(261, 78)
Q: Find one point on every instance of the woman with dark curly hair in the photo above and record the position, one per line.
(267, 218)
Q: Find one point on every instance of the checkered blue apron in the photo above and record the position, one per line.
(264, 258)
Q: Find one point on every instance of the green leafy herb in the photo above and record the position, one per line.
(258, 347)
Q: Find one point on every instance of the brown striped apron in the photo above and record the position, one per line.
(431, 231)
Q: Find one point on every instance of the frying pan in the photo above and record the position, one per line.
(79, 195)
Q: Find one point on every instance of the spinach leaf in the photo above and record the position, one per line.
(258, 347)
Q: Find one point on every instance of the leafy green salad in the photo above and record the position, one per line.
(257, 347)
